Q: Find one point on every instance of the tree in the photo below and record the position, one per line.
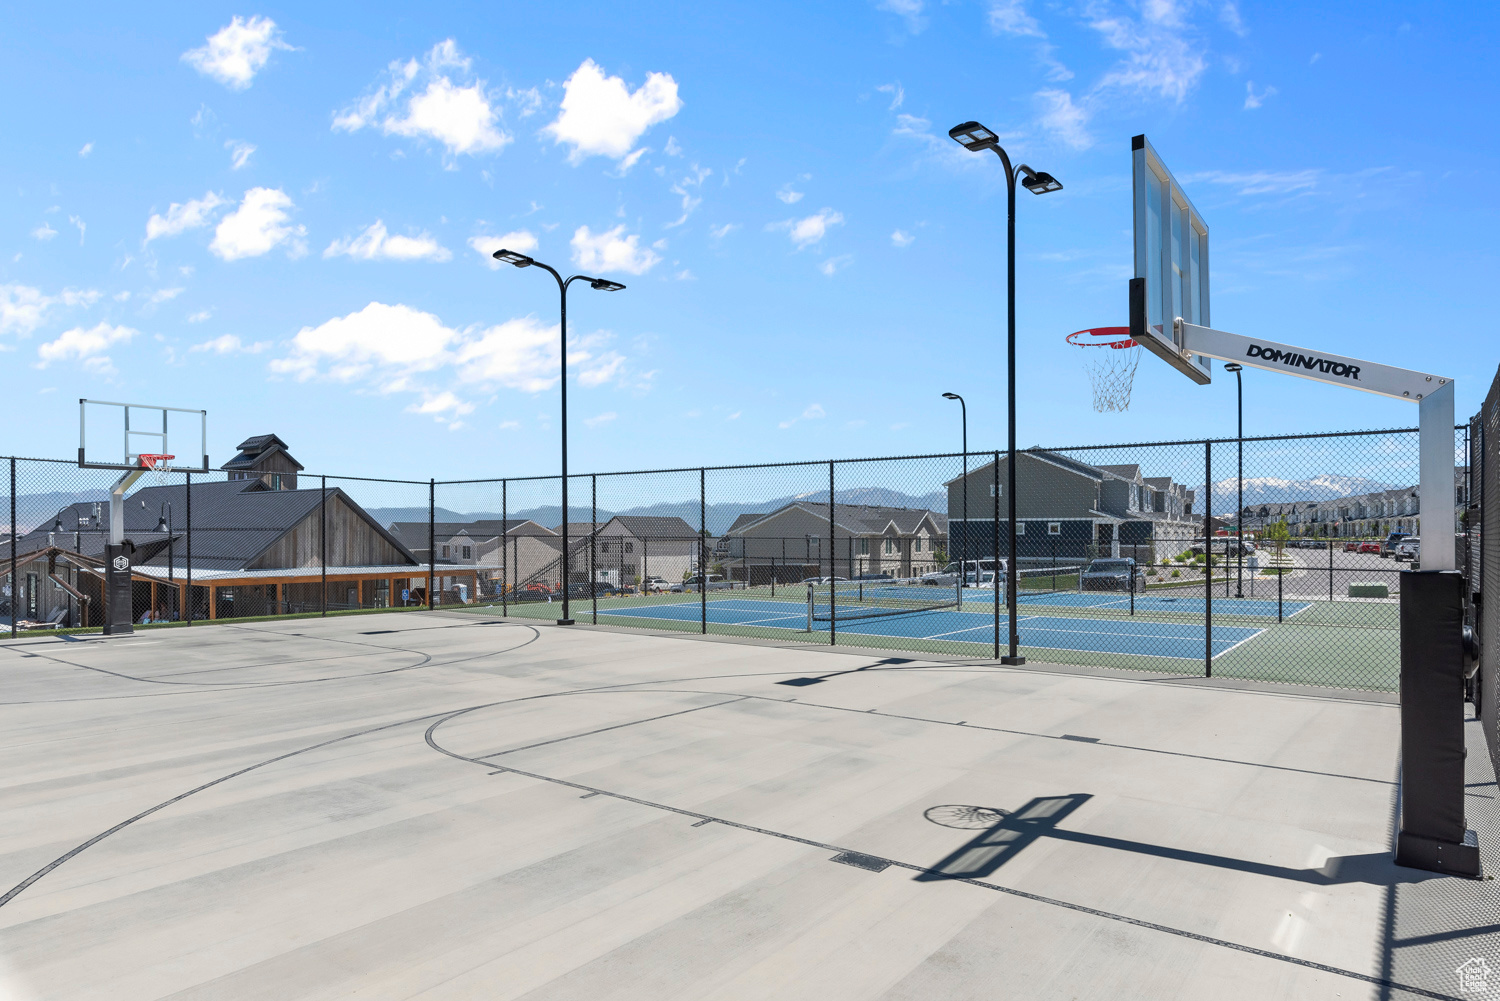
(1277, 532)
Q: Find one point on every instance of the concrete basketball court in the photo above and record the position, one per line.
(450, 805)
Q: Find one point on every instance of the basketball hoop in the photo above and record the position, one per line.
(1112, 372)
(156, 464)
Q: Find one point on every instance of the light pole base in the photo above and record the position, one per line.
(1012, 661)
(565, 622)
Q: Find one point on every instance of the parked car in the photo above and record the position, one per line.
(873, 576)
(655, 584)
(1112, 575)
(1351, 547)
(818, 580)
(986, 580)
(1370, 547)
(948, 576)
(1391, 541)
(694, 584)
(1409, 548)
(583, 589)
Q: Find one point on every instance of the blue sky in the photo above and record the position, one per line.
(278, 212)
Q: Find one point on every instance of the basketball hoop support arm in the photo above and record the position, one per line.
(1433, 395)
(117, 505)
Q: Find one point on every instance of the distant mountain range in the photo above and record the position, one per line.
(1273, 490)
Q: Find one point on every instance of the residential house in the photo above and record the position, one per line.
(796, 541)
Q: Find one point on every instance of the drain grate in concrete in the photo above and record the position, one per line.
(859, 861)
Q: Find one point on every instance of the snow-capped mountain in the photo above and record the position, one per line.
(1274, 490)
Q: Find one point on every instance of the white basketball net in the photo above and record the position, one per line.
(157, 465)
(1112, 374)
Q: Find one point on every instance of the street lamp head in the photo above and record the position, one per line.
(161, 525)
(1234, 366)
(974, 137)
(1040, 182)
(511, 257)
(604, 285)
(952, 396)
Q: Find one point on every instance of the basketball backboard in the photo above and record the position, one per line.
(1171, 262)
(115, 435)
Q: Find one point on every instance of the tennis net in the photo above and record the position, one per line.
(866, 599)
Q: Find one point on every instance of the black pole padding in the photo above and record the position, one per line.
(1434, 834)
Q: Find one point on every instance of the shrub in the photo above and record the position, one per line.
(1176, 573)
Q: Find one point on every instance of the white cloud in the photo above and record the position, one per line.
(257, 226)
(686, 188)
(1229, 13)
(229, 344)
(788, 196)
(440, 404)
(1264, 182)
(44, 232)
(375, 244)
(719, 232)
(601, 419)
(901, 238)
(834, 264)
(239, 153)
(600, 116)
(1254, 100)
(813, 412)
(392, 339)
(164, 295)
(87, 347)
(810, 230)
(1162, 56)
(521, 241)
(200, 316)
(611, 251)
(909, 10)
(23, 309)
(672, 149)
(508, 425)
(898, 94)
(1064, 119)
(82, 228)
(179, 218)
(518, 354)
(631, 161)
(88, 148)
(1009, 17)
(595, 370)
(461, 116)
(237, 51)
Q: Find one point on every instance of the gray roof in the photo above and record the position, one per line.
(644, 526)
(253, 450)
(857, 519)
(234, 521)
(1054, 458)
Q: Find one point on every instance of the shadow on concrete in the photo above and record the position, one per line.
(1004, 835)
(819, 679)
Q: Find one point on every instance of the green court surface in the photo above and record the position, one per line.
(1350, 644)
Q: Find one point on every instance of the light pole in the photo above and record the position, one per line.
(964, 412)
(1239, 435)
(976, 138)
(165, 525)
(601, 285)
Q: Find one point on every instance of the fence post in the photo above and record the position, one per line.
(431, 537)
(323, 538)
(1208, 559)
(593, 530)
(703, 550)
(995, 538)
(833, 614)
(15, 580)
(1330, 569)
(504, 555)
(188, 531)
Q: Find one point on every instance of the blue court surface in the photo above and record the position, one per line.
(1182, 604)
(1142, 637)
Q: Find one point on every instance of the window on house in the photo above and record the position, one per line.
(275, 481)
(445, 550)
(994, 490)
(917, 544)
(604, 547)
(630, 547)
(864, 547)
(468, 552)
(1020, 528)
(1054, 528)
(890, 546)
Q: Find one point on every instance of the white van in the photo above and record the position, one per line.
(948, 576)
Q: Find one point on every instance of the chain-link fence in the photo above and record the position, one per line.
(1481, 563)
(1272, 558)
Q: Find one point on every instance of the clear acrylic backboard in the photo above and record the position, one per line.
(1171, 261)
(115, 435)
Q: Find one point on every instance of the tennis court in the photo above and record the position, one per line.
(1137, 635)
